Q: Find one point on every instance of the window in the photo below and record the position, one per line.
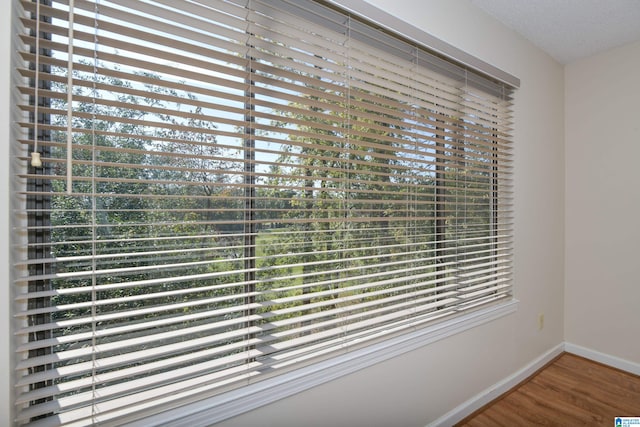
(230, 190)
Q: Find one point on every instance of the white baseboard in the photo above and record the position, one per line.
(465, 409)
(603, 358)
(478, 401)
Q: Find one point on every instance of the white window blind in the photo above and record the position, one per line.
(233, 189)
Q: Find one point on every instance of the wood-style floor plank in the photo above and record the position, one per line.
(570, 391)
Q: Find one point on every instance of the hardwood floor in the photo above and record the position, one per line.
(570, 391)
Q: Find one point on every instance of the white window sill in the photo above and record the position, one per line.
(227, 405)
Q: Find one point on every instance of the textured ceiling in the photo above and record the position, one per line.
(569, 29)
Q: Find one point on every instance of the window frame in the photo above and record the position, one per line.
(237, 401)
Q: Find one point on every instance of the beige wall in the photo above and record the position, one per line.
(419, 387)
(602, 306)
